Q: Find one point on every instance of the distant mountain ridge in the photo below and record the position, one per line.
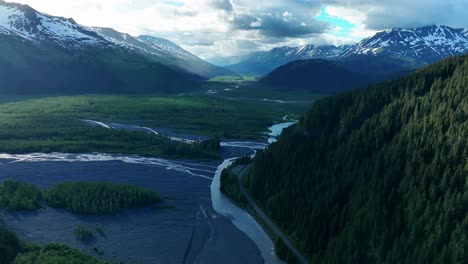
(164, 51)
(41, 53)
(409, 48)
(266, 61)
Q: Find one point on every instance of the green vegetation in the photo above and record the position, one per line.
(78, 197)
(16, 196)
(209, 148)
(54, 254)
(229, 185)
(230, 188)
(23, 66)
(229, 180)
(328, 77)
(378, 175)
(99, 198)
(82, 233)
(10, 246)
(283, 252)
(13, 251)
(54, 124)
(74, 136)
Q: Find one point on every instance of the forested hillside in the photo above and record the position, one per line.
(26, 68)
(319, 76)
(378, 175)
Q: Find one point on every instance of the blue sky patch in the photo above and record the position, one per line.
(344, 25)
(174, 3)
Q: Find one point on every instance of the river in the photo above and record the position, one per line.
(196, 225)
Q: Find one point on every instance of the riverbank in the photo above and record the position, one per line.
(183, 183)
(240, 217)
(199, 226)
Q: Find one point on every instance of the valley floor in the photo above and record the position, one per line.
(190, 229)
(55, 123)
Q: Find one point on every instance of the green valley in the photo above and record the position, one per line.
(54, 124)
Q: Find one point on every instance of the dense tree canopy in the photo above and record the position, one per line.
(54, 254)
(377, 175)
(9, 246)
(19, 196)
(98, 198)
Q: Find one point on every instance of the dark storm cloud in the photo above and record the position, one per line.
(279, 24)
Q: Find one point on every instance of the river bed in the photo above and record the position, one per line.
(197, 224)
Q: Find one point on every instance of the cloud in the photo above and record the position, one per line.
(237, 27)
(386, 14)
(225, 5)
(279, 24)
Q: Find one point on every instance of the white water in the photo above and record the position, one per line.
(150, 130)
(240, 218)
(221, 204)
(188, 168)
(277, 129)
(92, 122)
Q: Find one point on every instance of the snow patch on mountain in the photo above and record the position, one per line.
(166, 45)
(423, 44)
(266, 61)
(24, 22)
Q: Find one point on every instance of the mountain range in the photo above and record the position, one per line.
(266, 61)
(396, 49)
(40, 53)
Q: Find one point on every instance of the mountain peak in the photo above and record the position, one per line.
(22, 21)
(423, 44)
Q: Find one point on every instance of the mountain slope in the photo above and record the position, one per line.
(314, 75)
(378, 175)
(183, 59)
(266, 61)
(390, 51)
(46, 54)
(422, 45)
(23, 22)
(165, 52)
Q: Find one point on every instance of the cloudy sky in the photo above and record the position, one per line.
(211, 28)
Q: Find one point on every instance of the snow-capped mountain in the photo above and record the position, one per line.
(173, 54)
(266, 61)
(40, 53)
(411, 48)
(421, 45)
(465, 33)
(163, 51)
(167, 46)
(21, 21)
(25, 23)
